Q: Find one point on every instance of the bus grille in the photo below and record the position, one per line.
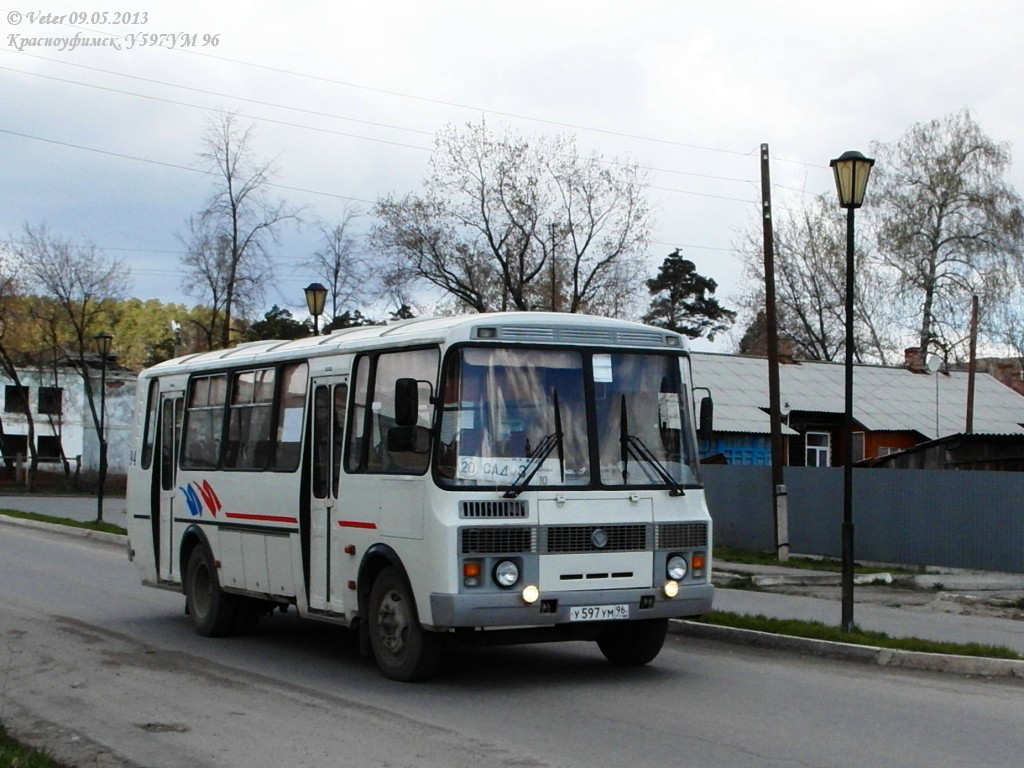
(498, 540)
(681, 536)
(503, 508)
(565, 539)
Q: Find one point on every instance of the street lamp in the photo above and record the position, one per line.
(316, 295)
(103, 340)
(851, 171)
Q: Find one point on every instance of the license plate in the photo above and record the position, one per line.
(598, 612)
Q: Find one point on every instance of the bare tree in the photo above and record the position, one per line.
(340, 262)
(511, 223)
(947, 221)
(81, 283)
(11, 290)
(810, 269)
(227, 261)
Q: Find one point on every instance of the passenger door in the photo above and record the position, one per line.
(169, 440)
(327, 574)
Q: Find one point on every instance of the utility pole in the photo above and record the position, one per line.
(554, 292)
(972, 367)
(779, 497)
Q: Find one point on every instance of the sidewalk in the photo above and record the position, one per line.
(80, 508)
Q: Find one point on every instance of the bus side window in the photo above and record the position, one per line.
(294, 379)
(149, 428)
(420, 364)
(204, 422)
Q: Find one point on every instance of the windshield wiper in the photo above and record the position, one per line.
(632, 444)
(642, 453)
(537, 457)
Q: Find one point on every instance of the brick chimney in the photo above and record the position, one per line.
(913, 359)
(786, 350)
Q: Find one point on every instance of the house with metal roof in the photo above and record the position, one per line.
(893, 408)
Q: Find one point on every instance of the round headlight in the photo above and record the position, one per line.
(676, 567)
(506, 574)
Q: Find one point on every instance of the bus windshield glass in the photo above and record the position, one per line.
(525, 418)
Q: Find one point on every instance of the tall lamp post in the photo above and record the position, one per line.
(316, 295)
(851, 171)
(103, 340)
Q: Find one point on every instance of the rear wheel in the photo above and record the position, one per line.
(211, 609)
(634, 643)
(403, 649)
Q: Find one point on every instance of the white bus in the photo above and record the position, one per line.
(494, 478)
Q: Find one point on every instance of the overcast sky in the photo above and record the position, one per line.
(97, 143)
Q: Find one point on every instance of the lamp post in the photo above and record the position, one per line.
(103, 340)
(851, 171)
(316, 295)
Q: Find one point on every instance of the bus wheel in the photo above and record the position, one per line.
(212, 610)
(634, 643)
(403, 649)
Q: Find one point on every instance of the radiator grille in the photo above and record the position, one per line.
(681, 536)
(490, 510)
(586, 538)
(498, 540)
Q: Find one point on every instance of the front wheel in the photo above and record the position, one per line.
(211, 609)
(403, 649)
(634, 643)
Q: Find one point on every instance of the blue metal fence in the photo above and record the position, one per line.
(911, 517)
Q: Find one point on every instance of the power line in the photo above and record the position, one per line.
(275, 105)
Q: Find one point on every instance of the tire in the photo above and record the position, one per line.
(403, 649)
(634, 643)
(211, 609)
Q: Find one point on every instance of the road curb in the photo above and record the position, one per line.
(864, 654)
(66, 530)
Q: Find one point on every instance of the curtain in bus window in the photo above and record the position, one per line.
(291, 407)
(357, 425)
(249, 416)
(504, 408)
(643, 418)
(205, 421)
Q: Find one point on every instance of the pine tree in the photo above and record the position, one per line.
(684, 302)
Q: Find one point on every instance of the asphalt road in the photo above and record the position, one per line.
(108, 673)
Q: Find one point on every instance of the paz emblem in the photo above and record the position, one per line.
(599, 538)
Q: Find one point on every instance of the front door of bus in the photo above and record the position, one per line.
(169, 442)
(327, 564)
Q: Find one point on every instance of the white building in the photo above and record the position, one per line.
(62, 420)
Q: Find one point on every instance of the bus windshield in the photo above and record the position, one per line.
(520, 418)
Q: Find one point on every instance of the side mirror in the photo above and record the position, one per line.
(407, 402)
(705, 424)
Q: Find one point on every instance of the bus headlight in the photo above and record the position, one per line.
(530, 594)
(506, 574)
(675, 569)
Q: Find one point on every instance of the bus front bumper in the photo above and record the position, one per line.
(507, 609)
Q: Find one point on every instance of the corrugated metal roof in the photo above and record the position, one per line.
(884, 399)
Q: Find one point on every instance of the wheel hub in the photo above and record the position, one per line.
(393, 622)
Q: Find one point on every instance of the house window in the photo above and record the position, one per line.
(858, 446)
(817, 449)
(15, 399)
(48, 446)
(51, 400)
(14, 445)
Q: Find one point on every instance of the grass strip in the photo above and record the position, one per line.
(816, 630)
(14, 754)
(92, 525)
(756, 557)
